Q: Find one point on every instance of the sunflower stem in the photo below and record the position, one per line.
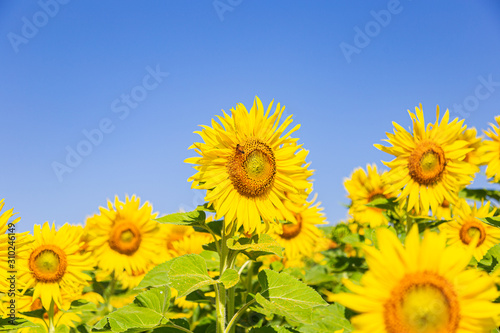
(52, 328)
(220, 290)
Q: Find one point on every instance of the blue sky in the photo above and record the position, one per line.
(345, 70)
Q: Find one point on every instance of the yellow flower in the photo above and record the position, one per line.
(466, 225)
(474, 157)
(443, 211)
(490, 151)
(363, 188)
(124, 237)
(423, 287)
(300, 239)
(247, 165)
(429, 165)
(55, 264)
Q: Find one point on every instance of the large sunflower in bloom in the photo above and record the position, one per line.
(429, 165)
(466, 225)
(423, 287)
(364, 187)
(247, 163)
(300, 239)
(491, 151)
(124, 237)
(55, 264)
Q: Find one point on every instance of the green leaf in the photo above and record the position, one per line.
(382, 203)
(479, 194)
(493, 221)
(286, 296)
(146, 312)
(215, 226)
(212, 259)
(189, 273)
(62, 329)
(269, 329)
(178, 322)
(318, 274)
(6, 324)
(229, 278)
(206, 208)
(352, 239)
(190, 218)
(328, 319)
(157, 277)
(256, 246)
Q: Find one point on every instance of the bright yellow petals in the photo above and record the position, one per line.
(466, 226)
(423, 287)
(364, 187)
(124, 237)
(247, 165)
(490, 151)
(300, 239)
(54, 264)
(430, 164)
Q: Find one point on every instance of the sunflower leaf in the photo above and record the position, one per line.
(229, 278)
(256, 246)
(193, 218)
(328, 319)
(269, 329)
(479, 194)
(6, 324)
(146, 312)
(493, 221)
(382, 203)
(189, 273)
(286, 296)
(157, 277)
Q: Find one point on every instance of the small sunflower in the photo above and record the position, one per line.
(124, 237)
(364, 187)
(466, 225)
(474, 157)
(247, 164)
(423, 287)
(444, 210)
(491, 151)
(300, 239)
(429, 165)
(55, 265)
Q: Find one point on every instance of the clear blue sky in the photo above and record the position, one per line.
(68, 68)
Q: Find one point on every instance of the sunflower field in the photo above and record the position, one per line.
(419, 252)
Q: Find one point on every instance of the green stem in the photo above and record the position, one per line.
(52, 328)
(232, 324)
(219, 289)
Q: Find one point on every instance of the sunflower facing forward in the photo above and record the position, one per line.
(466, 225)
(55, 265)
(429, 165)
(124, 237)
(423, 287)
(247, 164)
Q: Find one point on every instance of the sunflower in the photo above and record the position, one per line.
(247, 164)
(423, 287)
(5, 263)
(55, 265)
(124, 237)
(475, 142)
(300, 239)
(429, 165)
(491, 151)
(444, 210)
(364, 187)
(466, 225)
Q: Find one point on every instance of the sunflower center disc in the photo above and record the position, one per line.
(422, 302)
(427, 163)
(470, 230)
(252, 168)
(48, 263)
(125, 238)
(292, 230)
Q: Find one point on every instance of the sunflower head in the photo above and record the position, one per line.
(429, 165)
(466, 228)
(423, 286)
(247, 163)
(54, 264)
(124, 236)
